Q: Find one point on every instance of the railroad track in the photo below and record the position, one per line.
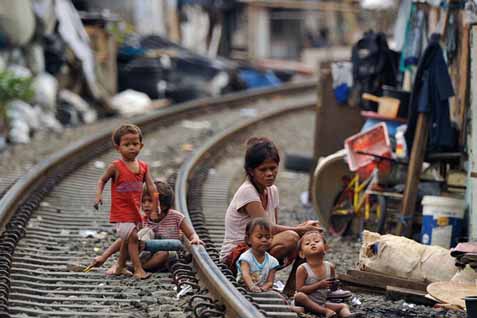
(46, 220)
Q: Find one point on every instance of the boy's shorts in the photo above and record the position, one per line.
(124, 230)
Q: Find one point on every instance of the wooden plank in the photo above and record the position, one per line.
(463, 82)
(305, 5)
(409, 295)
(380, 281)
(408, 206)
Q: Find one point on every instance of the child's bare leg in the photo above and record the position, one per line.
(123, 256)
(133, 249)
(99, 260)
(302, 299)
(341, 309)
(158, 259)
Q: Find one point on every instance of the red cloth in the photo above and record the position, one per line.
(126, 193)
(231, 259)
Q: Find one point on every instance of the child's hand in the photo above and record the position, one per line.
(308, 226)
(325, 284)
(98, 201)
(154, 216)
(255, 289)
(195, 240)
(265, 288)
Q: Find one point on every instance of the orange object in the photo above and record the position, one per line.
(363, 148)
(388, 106)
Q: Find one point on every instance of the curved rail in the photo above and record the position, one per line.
(233, 299)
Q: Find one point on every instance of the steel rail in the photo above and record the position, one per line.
(223, 288)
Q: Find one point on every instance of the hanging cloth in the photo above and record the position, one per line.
(431, 92)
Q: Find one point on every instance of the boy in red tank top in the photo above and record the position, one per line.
(128, 175)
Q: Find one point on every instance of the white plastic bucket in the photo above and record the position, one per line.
(442, 220)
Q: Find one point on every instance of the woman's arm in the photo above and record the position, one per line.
(255, 209)
(189, 232)
(308, 289)
(270, 279)
(245, 268)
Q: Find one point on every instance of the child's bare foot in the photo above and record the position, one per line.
(141, 274)
(112, 269)
(330, 314)
(122, 271)
(115, 270)
(297, 309)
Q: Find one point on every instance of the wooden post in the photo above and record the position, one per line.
(258, 32)
(408, 206)
(471, 191)
(173, 23)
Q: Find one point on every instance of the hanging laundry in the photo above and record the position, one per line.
(431, 92)
(415, 38)
(451, 38)
(342, 80)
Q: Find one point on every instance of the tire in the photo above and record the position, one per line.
(298, 163)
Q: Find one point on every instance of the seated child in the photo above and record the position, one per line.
(167, 230)
(256, 267)
(171, 226)
(315, 277)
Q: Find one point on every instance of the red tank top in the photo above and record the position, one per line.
(126, 193)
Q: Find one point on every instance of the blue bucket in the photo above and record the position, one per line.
(442, 220)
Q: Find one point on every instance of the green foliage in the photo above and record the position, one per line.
(14, 87)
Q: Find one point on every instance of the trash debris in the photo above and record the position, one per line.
(18, 26)
(64, 232)
(86, 113)
(88, 233)
(408, 305)
(187, 147)
(304, 199)
(184, 291)
(45, 87)
(278, 285)
(75, 268)
(156, 164)
(248, 112)
(130, 102)
(45, 204)
(402, 257)
(355, 301)
(99, 164)
(195, 124)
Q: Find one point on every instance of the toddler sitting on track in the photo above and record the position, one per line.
(315, 277)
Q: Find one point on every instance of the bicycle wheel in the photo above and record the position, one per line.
(375, 216)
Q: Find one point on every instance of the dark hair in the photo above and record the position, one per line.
(125, 129)
(298, 245)
(166, 194)
(259, 149)
(253, 223)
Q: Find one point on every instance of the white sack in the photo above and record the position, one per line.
(402, 257)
